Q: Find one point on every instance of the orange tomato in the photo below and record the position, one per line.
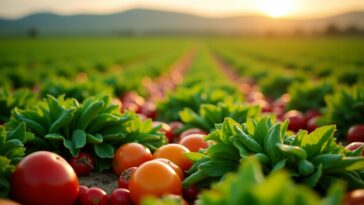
(194, 142)
(174, 152)
(192, 131)
(154, 178)
(130, 155)
(173, 166)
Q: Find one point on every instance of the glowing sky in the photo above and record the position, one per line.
(273, 8)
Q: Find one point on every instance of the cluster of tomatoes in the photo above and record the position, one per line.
(45, 178)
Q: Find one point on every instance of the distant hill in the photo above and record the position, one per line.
(145, 21)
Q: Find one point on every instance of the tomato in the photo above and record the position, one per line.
(44, 178)
(173, 166)
(82, 190)
(356, 145)
(312, 124)
(154, 178)
(296, 119)
(130, 155)
(309, 114)
(194, 142)
(149, 110)
(125, 177)
(120, 197)
(175, 127)
(94, 196)
(190, 193)
(356, 133)
(192, 131)
(165, 129)
(83, 164)
(174, 152)
(8, 202)
(132, 101)
(355, 197)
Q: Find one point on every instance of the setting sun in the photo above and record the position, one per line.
(276, 8)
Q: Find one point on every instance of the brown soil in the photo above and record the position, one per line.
(106, 181)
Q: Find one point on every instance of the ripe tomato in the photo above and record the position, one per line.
(296, 119)
(355, 145)
(149, 110)
(94, 196)
(125, 177)
(44, 178)
(120, 197)
(312, 124)
(309, 114)
(192, 131)
(165, 129)
(154, 178)
(83, 164)
(173, 166)
(82, 190)
(356, 133)
(130, 155)
(194, 142)
(175, 126)
(174, 152)
(355, 197)
(190, 193)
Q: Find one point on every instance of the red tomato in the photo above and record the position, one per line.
(174, 152)
(154, 178)
(165, 129)
(149, 110)
(194, 142)
(356, 133)
(190, 193)
(309, 114)
(83, 164)
(355, 145)
(82, 190)
(355, 197)
(312, 124)
(175, 126)
(130, 155)
(192, 131)
(173, 166)
(120, 197)
(125, 177)
(94, 196)
(296, 119)
(44, 178)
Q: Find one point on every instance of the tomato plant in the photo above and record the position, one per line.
(120, 197)
(356, 133)
(174, 152)
(154, 178)
(44, 178)
(125, 177)
(194, 142)
(83, 164)
(94, 196)
(130, 155)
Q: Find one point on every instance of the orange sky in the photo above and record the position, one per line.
(274, 8)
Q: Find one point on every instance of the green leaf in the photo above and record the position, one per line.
(217, 169)
(279, 165)
(79, 138)
(194, 156)
(294, 150)
(305, 167)
(223, 151)
(104, 151)
(316, 141)
(314, 178)
(248, 141)
(194, 178)
(271, 148)
(94, 139)
(54, 136)
(89, 114)
(228, 130)
(64, 118)
(71, 147)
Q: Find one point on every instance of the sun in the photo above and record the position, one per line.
(276, 8)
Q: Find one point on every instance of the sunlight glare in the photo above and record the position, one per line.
(276, 8)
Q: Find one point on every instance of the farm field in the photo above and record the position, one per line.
(233, 118)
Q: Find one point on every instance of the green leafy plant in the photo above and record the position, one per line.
(21, 98)
(305, 96)
(12, 151)
(192, 97)
(209, 115)
(66, 127)
(250, 186)
(314, 159)
(276, 85)
(345, 109)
